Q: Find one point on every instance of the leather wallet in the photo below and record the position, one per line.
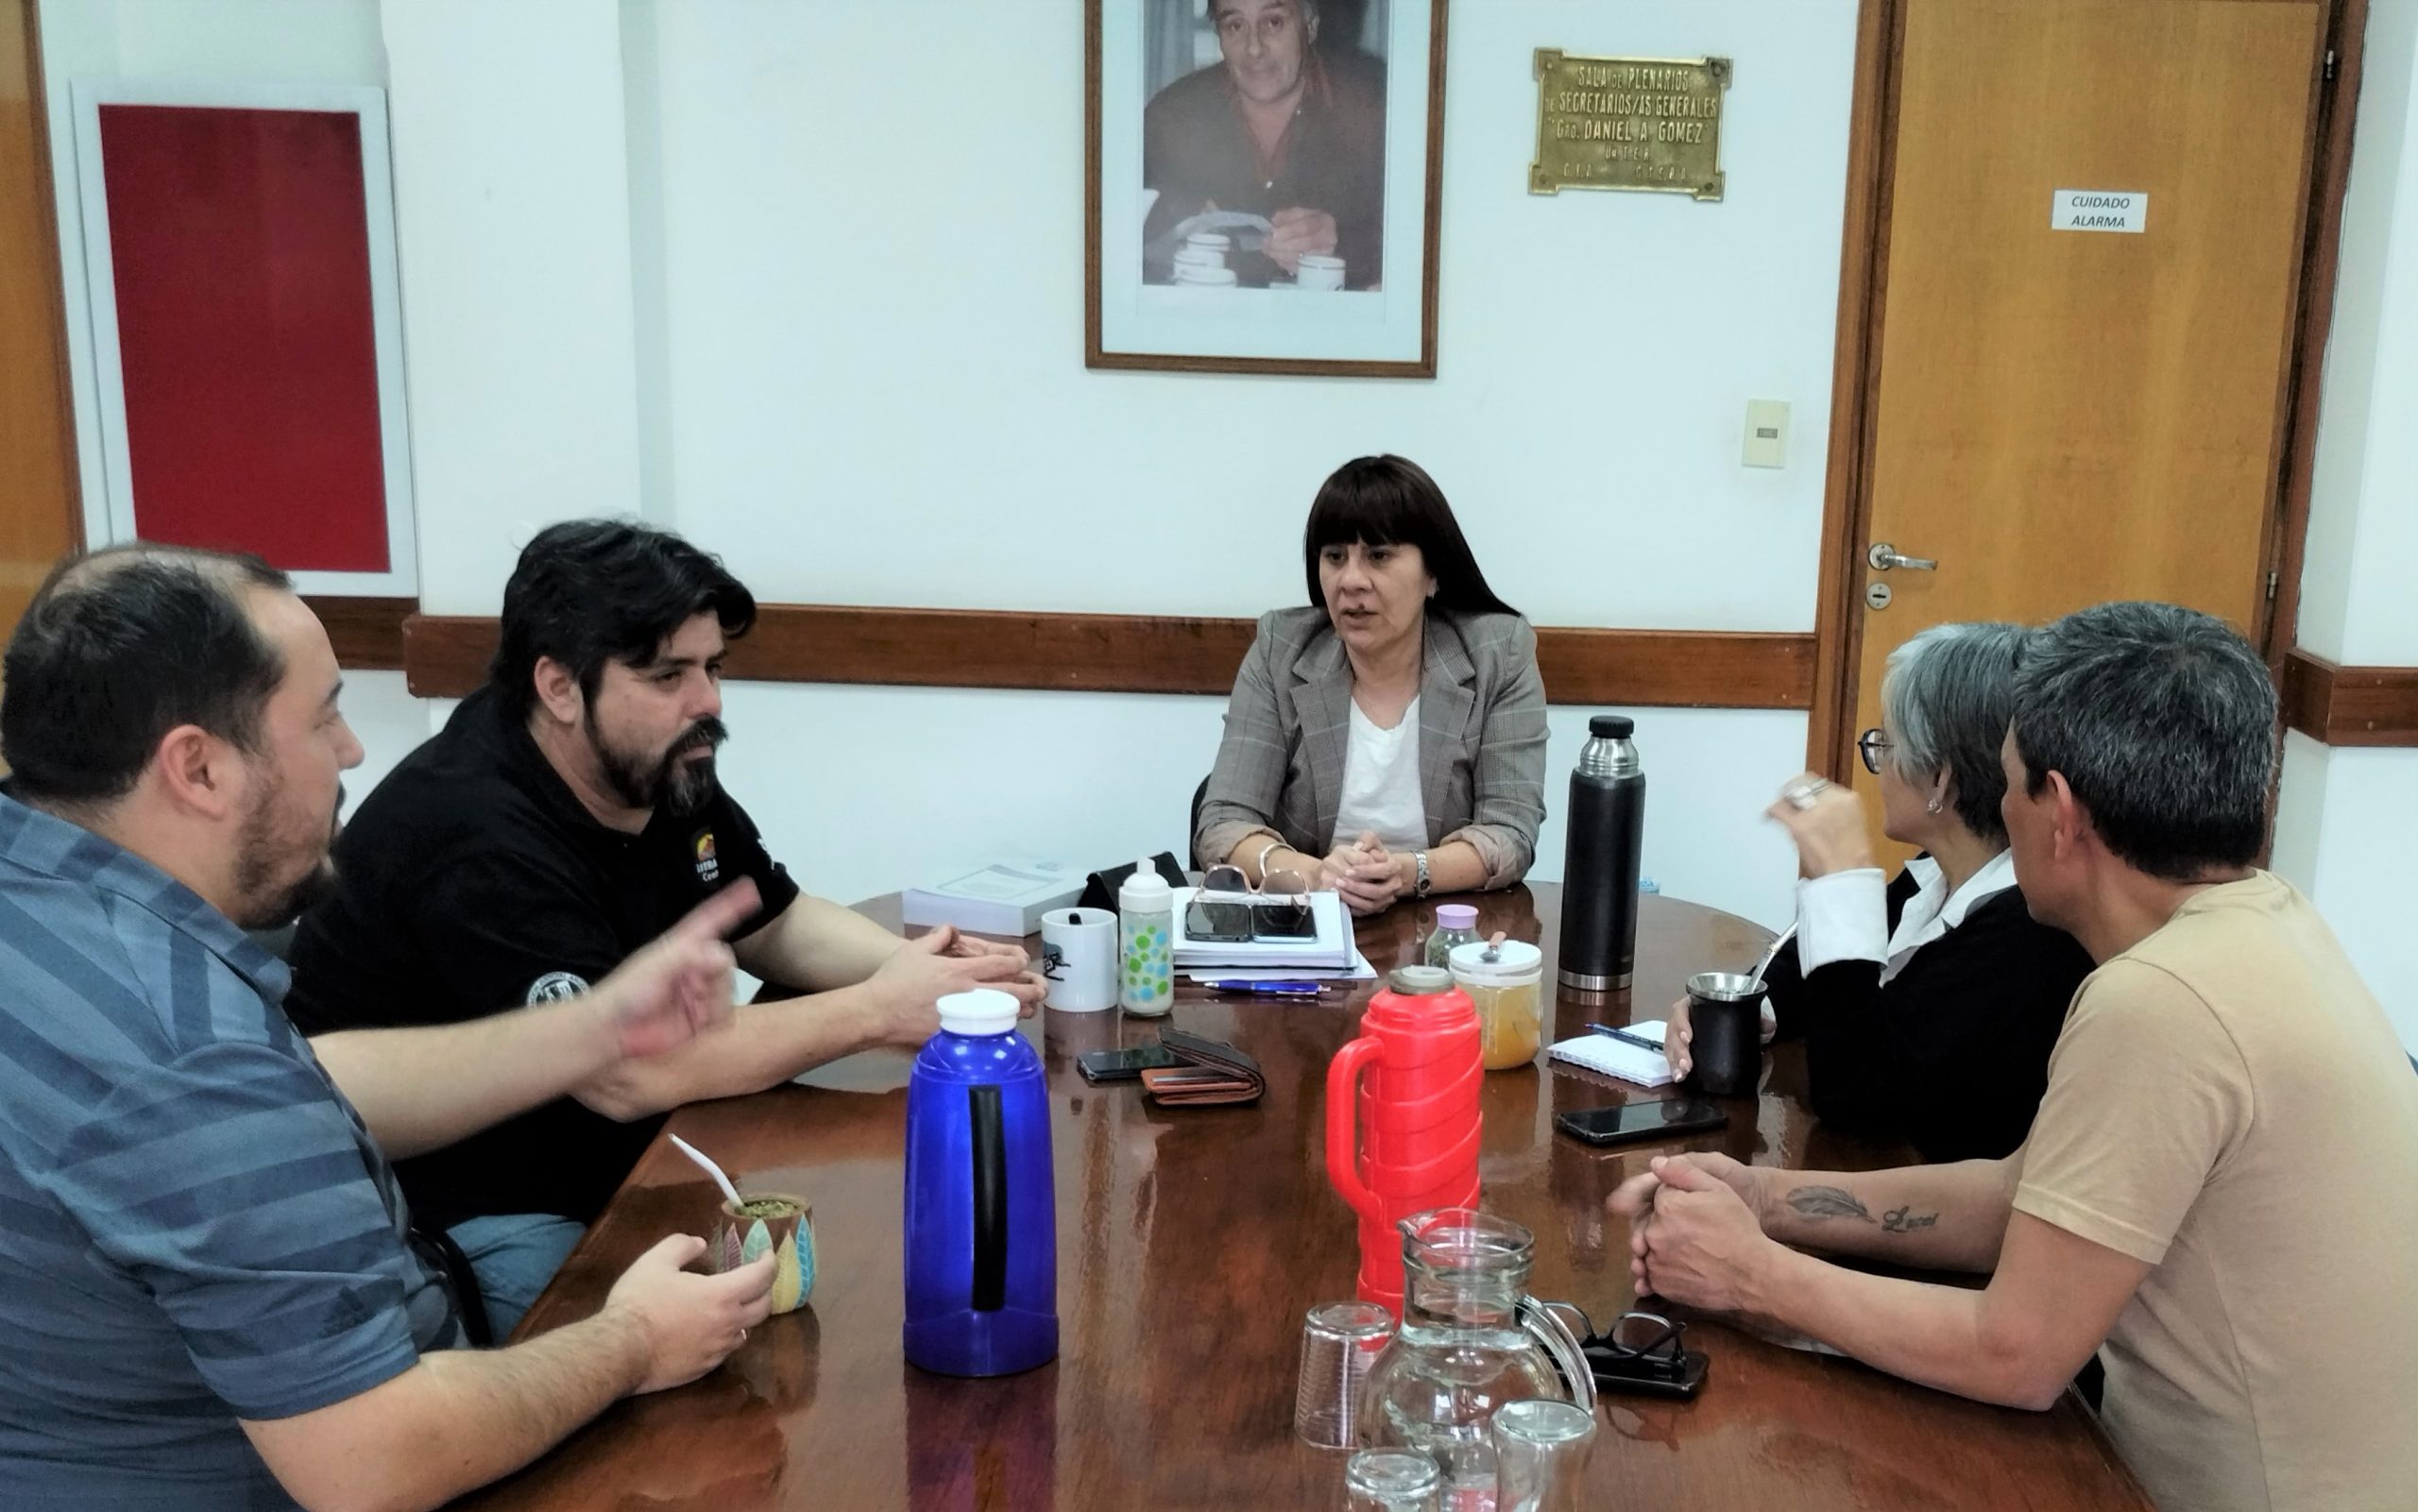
(1211, 1073)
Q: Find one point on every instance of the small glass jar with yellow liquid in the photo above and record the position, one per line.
(1509, 993)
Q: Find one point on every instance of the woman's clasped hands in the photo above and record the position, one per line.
(1364, 873)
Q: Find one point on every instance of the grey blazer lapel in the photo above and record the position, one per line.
(1447, 693)
(1323, 700)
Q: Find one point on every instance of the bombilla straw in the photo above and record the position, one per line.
(711, 1169)
(1769, 956)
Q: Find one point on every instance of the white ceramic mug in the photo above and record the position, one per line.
(1319, 272)
(1082, 978)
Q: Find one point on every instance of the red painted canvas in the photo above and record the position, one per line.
(240, 250)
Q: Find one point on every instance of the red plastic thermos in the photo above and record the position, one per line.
(1402, 1116)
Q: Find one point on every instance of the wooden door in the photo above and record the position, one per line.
(38, 508)
(2066, 416)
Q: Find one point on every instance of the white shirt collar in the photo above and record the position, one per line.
(1934, 910)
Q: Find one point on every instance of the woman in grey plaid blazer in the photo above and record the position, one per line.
(1316, 774)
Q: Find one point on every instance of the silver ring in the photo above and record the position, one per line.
(1802, 796)
(743, 1335)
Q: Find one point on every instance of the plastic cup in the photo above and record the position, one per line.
(1340, 1341)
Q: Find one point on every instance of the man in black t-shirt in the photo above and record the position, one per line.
(566, 816)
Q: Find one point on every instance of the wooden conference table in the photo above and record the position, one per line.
(1189, 1244)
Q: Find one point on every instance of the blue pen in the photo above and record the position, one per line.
(1626, 1038)
(1283, 989)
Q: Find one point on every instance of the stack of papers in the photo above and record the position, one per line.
(1004, 898)
(1359, 971)
(1332, 949)
(1606, 1056)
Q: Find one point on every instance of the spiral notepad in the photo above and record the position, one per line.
(1609, 1057)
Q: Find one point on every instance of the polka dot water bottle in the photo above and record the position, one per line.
(1146, 945)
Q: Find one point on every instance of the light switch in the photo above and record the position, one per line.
(1766, 432)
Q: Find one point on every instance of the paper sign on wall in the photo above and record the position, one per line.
(2099, 210)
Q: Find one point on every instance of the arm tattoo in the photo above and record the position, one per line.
(1814, 1202)
(1827, 1202)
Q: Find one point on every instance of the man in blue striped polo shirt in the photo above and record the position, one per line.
(207, 1298)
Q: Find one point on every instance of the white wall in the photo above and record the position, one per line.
(512, 223)
(389, 721)
(2347, 820)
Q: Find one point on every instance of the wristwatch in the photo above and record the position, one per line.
(1419, 888)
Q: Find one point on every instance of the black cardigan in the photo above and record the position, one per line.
(1952, 1055)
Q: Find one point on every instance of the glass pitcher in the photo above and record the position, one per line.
(1471, 1340)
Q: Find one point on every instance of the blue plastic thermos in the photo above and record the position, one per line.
(982, 1261)
(1606, 823)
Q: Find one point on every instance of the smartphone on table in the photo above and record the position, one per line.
(1124, 1065)
(1283, 919)
(1624, 1122)
(1211, 921)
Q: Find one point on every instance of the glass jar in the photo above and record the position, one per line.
(1455, 924)
(1465, 1346)
(1508, 994)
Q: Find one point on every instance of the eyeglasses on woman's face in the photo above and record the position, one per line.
(1873, 743)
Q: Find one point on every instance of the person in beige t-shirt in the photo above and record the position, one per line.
(2220, 1192)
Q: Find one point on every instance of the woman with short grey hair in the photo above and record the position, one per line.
(1929, 1005)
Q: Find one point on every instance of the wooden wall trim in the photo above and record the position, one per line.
(446, 656)
(367, 634)
(2350, 705)
(1677, 669)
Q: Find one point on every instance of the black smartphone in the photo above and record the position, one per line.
(1126, 1064)
(1284, 921)
(1219, 923)
(1628, 1121)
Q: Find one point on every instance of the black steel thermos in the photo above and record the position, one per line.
(1607, 826)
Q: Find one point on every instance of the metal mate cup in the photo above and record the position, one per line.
(1726, 1016)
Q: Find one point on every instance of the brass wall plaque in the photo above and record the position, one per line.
(1628, 123)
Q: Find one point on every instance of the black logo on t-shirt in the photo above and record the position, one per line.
(708, 869)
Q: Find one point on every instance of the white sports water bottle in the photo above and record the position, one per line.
(1145, 943)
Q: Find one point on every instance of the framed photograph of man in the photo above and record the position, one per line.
(1262, 181)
